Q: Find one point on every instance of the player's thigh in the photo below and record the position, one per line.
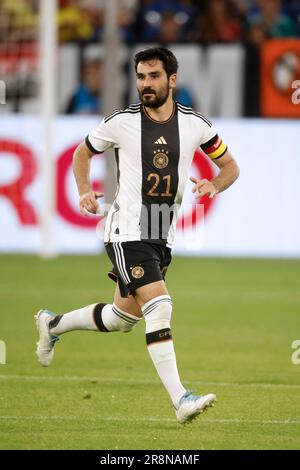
(150, 291)
(128, 304)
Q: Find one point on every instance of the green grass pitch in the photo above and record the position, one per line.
(233, 324)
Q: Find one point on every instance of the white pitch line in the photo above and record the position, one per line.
(287, 421)
(142, 381)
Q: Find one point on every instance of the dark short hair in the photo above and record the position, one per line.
(163, 54)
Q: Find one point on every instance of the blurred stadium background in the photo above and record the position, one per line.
(65, 64)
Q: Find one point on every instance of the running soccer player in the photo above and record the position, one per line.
(154, 144)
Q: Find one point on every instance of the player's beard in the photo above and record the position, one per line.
(154, 99)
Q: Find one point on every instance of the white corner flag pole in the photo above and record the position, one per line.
(48, 76)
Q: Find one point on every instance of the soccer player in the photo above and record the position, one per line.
(154, 144)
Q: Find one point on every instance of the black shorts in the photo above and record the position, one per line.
(137, 263)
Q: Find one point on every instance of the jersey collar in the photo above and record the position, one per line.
(160, 122)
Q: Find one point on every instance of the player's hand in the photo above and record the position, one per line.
(88, 202)
(203, 187)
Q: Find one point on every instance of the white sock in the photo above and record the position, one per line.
(96, 317)
(157, 313)
(164, 359)
(81, 319)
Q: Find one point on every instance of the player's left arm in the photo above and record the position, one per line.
(229, 172)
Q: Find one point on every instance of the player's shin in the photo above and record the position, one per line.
(157, 313)
(95, 317)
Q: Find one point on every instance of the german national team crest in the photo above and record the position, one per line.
(137, 272)
(160, 159)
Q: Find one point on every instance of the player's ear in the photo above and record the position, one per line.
(173, 80)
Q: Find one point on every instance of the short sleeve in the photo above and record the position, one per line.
(212, 144)
(102, 137)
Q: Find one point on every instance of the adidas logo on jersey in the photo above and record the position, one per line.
(161, 140)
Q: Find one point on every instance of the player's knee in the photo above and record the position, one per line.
(157, 313)
(123, 321)
(115, 319)
(125, 327)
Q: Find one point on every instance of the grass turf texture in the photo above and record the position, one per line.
(233, 324)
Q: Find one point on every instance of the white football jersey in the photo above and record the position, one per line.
(153, 161)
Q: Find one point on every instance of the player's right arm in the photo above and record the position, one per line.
(98, 140)
(81, 168)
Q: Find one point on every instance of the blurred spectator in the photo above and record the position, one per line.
(242, 7)
(184, 96)
(83, 20)
(219, 23)
(293, 9)
(19, 31)
(271, 18)
(165, 21)
(18, 21)
(257, 34)
(87, 97)
(74, 22)
(170, 29)
(126, 19)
